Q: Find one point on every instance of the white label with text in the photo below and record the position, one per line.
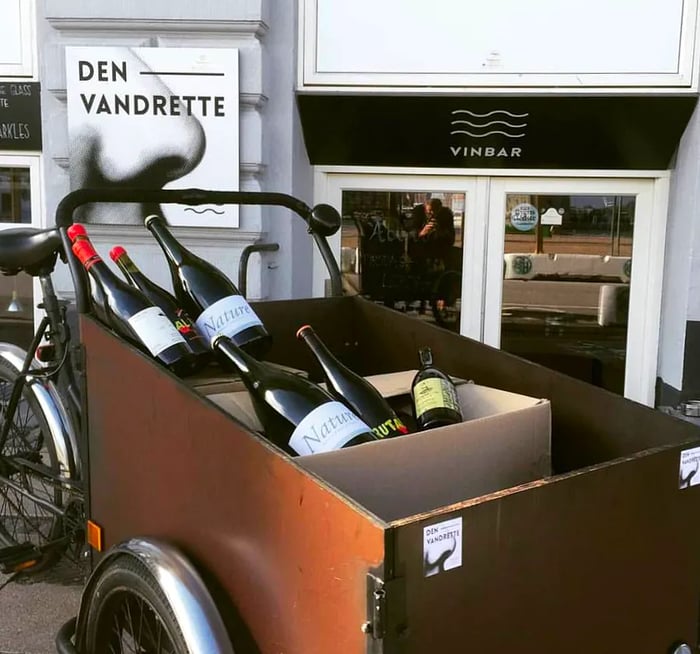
(328, 427)
(442, 547)
(689, 472)
(228, 316)
(155, 330)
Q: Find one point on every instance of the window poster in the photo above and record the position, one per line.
(154, 118)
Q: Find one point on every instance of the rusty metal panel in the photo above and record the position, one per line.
(603, 560)
(291, 554)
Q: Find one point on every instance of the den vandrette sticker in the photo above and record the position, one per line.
(154, 118)
(442, 547)
(689, 469)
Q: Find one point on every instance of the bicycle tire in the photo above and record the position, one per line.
(128, 607)
(21, 519)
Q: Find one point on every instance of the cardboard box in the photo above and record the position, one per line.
(503, 442)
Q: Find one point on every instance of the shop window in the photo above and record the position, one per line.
(15, 195)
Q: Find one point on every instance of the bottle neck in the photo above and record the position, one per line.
(129, 268)
(170, 245)
(318, 347)
(245, 363)
(93, 263)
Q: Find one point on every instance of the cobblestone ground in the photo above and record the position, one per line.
(33, 608)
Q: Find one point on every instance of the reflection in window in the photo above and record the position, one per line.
(404, 249)
(15, 198)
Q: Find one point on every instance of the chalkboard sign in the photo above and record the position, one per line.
(20, 116)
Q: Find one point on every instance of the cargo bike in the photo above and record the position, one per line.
(557, 517)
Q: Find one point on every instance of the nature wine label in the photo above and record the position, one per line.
(226, 317)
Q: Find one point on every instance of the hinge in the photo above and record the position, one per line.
(376, 603)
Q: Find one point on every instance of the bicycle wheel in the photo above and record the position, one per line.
(130, 614)
(23, 519)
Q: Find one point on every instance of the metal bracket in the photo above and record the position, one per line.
(376, 609)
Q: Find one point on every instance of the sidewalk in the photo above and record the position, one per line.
(33, 610)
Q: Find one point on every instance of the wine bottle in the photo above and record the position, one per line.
(434, 396)
(161, 298)
(353, 390)
(296, 414)
(133, 316)
(77, 232)
(209, 296)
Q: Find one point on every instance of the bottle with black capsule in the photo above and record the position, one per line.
(209, 296)
(434, 396)
(163, 299)
(133, 316)
(353, 390)
(297, 415)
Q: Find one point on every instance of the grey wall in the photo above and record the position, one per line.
(271, 152)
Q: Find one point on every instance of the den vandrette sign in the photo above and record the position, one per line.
(20, 116)
(587, 132)
(154, 118)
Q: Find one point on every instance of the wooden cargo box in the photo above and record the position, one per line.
(489, 536)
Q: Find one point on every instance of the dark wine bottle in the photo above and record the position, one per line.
(353, 390)
(133, 316)
(208, 296)
(296, 414)
(77, 232)
(161, 298)
(434, 396)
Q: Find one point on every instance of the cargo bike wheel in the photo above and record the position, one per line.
(30, 495)
(130, 613)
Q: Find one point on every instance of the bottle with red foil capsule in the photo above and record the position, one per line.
(133, 316)
(161, 298)
(77, 232)
(353, 390)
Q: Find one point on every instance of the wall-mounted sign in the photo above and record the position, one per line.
(154, 118)
(613, 132)
(20, 116)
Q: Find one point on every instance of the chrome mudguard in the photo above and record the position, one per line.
(64, 437)
(193, 607)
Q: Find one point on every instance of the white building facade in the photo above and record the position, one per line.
(585, 122)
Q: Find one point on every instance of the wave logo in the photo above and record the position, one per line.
(498, 122)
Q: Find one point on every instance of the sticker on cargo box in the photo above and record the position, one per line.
(442, 547)
(689, 473)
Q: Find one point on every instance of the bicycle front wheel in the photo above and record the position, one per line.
(129, 613)
(31, 486)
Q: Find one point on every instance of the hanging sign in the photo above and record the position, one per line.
(20, 116)
(155, 118)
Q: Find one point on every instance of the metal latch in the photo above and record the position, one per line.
(376, 601)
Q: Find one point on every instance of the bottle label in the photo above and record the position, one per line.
(155, 330)
(434, 393)
(228, 317)
(391, 427)
(328, 427)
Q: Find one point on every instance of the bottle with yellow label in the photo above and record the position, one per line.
(434, 396)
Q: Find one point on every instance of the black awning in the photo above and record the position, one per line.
(589, 132)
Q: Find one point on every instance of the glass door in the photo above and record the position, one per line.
(402, 242)
(573, 278)
(564, 271)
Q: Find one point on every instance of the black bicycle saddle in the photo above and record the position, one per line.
(29, 249)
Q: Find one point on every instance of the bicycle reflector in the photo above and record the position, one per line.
(45, 353)
(94, 535)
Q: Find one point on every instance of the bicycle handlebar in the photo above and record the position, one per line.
(322, 221)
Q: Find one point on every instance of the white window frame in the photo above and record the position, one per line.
(26, 67)
(484, 228)
(683, 80)
(33, 163)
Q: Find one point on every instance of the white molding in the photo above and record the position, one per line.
(254, 28)
(27, 67)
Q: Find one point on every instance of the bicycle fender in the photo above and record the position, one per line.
(47, 396)
(194, 609)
